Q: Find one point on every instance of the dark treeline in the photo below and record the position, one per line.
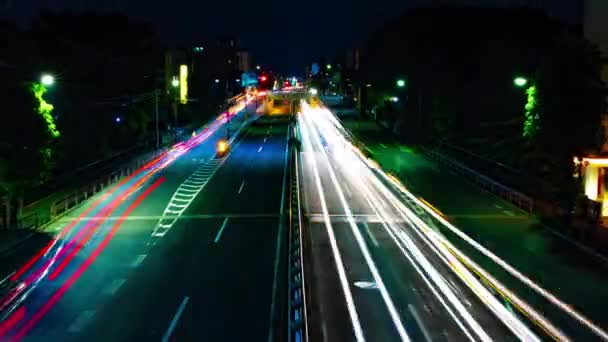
(459, 65)
(105, 66)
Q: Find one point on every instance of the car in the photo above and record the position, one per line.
(222, 148)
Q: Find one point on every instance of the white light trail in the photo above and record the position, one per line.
(352, 310)
(334, 134)
(360, 241)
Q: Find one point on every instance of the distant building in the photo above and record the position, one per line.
(244, 61)
(595, 23)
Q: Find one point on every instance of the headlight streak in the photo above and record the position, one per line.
(360, 241)
(352, 310)
(439, 244)
(356, 169)
(507, 267)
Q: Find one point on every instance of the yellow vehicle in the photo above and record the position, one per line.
(222, 148)
(278, 105)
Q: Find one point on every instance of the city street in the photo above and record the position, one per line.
(171, 266)
(377, 272)
(538, 251)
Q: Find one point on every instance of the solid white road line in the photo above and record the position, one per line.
(180, 311)
(278, 248)
(219, 233)
(241, 187)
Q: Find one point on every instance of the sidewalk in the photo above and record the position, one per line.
(555, 263)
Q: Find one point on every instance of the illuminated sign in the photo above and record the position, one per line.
(183, 83)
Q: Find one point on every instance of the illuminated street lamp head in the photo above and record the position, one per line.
(520, 81)
(313, 91)
(328, 66)
(47, 80)
(400, 83)
(257, 67)
(175, 82)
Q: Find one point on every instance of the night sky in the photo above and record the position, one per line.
(282, 34)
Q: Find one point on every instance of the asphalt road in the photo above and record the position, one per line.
(548, 258)
(194, 253)
(374, 273)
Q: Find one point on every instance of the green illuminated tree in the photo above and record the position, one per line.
(532, 122)
(45, 109)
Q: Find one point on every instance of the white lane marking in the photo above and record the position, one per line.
(425, 332)
(348, 297)
(498, 206)
(180, 311)
(265, 139)
(279, 235)
(370, 234)
(241, 187)
(366, 285)
(260, 149)
(6, 278)
(83, 318)
(383, 146)
(138, 260)
(390, 306)
(219, 233)
(113, 286)
(508, 212)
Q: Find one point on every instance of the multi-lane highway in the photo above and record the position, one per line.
(380, 270)
(196, 246)
(188, 248)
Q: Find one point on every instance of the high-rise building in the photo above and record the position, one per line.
(595, 23)
(244, 61)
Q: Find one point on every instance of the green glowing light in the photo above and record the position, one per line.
(532, 122)
(400, 83)
(45, 109)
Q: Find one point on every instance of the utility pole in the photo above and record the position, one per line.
(156, 91)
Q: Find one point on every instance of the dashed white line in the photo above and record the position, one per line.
(508, 212)
(81, 321)
(425, 332)
(260, 149)
(241, 187)
(178, 314)
(113, 287)
(370, 234)
(265, 139)
(219, 233)
(138, 260)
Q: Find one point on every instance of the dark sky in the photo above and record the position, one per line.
(283, 34)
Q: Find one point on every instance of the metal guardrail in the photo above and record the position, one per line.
(78, 196)
(522, 201)
(296, 299)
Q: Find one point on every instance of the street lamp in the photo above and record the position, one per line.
(328, 66)
(257, 67)
(400, 83)
(520, 81)
(47, 80)
(175, 82)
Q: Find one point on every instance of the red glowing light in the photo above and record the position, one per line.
(27, 326)
(263, 78)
